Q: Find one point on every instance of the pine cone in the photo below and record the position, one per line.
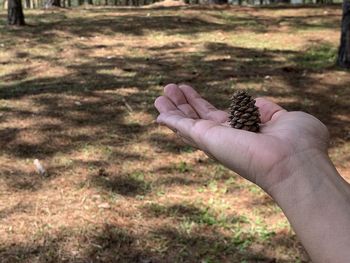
(243, 112)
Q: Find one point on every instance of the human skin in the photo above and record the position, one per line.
(288, 159)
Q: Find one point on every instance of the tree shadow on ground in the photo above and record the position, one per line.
(108, 244)
(301, 6)
(168, 143)
(111, 243)
(87, 97)
(20, 207)
(126, 185)
(139, 22)
(105, 114)
(177, 180)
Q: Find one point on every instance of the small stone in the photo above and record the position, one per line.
(40, 168)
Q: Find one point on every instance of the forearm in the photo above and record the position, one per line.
(316, 200)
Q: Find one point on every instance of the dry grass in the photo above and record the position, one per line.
(121, 188)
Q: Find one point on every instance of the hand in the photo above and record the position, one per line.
(266, 158)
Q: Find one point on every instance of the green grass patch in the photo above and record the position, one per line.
(317, 57)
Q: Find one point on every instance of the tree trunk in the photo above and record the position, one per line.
(15, 13)
(90, 2)
(52, 3)
(344, 49)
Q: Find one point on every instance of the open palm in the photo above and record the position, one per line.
(259, 157)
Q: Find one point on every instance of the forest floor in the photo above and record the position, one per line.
(76, 91)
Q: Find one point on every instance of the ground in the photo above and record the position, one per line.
(76, 92)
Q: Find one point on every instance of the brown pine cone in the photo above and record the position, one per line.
(243, 112)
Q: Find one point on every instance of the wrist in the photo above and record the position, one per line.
(302, 177)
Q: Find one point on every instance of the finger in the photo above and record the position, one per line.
(176, 95)
(188, 111)
(165, 120)
(163, 104)
(177, 122)
(204, 109)
(190, 129)
(268, 109)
